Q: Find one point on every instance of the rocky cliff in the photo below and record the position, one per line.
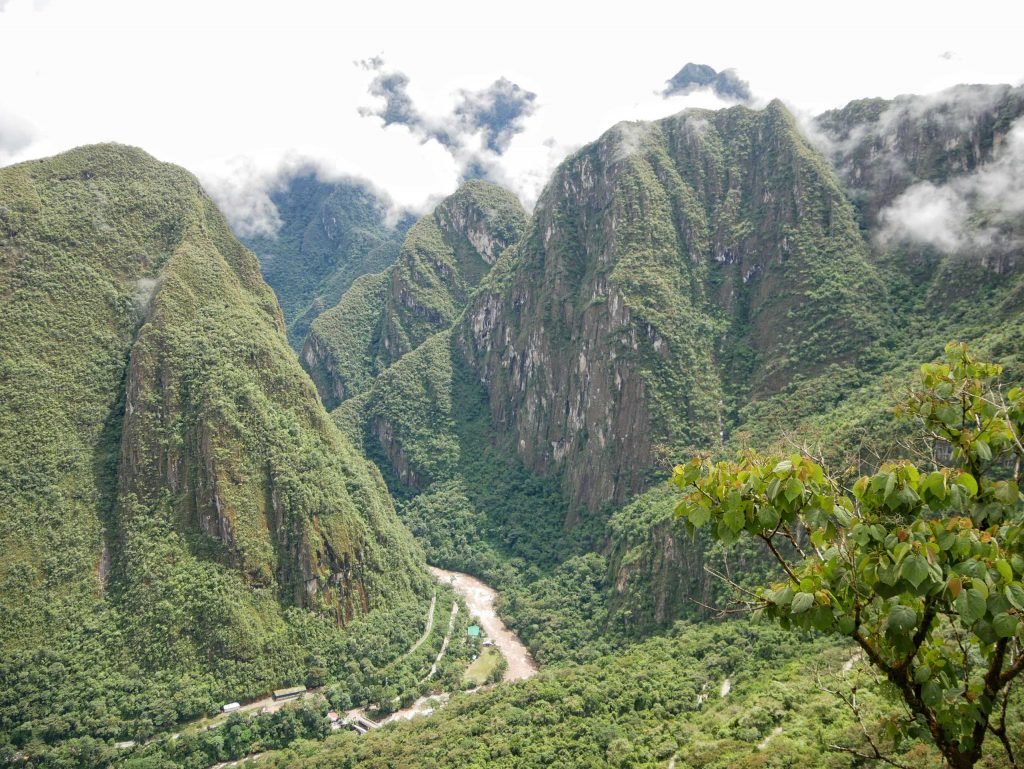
(672, 272)
(937, 183)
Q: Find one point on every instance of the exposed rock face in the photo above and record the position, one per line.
(937, 180)
(662, 280)
(382, 317)
(222, 429)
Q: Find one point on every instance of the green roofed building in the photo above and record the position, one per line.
(474, 631)
(287, 694)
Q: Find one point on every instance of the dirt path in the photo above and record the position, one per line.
(480, 600)
(444, 644)
(430, 626)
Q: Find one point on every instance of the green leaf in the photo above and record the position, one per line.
(783, 467)
(914, 569)
(1007, 492)
(980, 586)
(846, 625)
(890, 485)
(968, 483)
(971, 605)
(949, 415)
(982, 449)
(698, 515)
(900, 551)
(1005, 570)
(901, 618)
(1015, 595)
(946, 539)
(793, 489)
(802, 602)
(768, 516)
(931, 693)
(1005, 625)
(734, 518)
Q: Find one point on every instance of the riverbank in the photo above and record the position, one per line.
(480, 599)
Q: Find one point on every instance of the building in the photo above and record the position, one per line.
(288, 694)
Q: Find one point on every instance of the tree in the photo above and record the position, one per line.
(923, 567)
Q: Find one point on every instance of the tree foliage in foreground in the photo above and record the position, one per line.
(923, 567)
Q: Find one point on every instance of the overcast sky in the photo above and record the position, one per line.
(236, 91)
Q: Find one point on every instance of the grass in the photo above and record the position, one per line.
(478, 673)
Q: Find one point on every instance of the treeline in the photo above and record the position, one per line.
(716, 696)
(68, 702)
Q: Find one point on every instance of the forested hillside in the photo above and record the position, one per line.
(328, 234)
(444, 257)
(182, 523)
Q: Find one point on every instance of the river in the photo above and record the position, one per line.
(480, 599)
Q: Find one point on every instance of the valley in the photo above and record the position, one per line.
(512, 486)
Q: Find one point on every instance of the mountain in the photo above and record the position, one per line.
(672, 273)
(179, 509)
(683, 285)
(881, 147)
(186, 524)
(330, 234)
(444, 257)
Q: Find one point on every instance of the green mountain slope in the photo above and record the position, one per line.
(179, 510)
(330, 234)
(684, 285)
(444, 257)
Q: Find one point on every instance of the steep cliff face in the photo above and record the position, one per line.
(671, 272)
(223, 433)
(881, 147)
(443, 258)
(169, 474)
(341, 350)
(330, 233)
(937, 180)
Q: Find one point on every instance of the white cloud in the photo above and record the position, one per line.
(236, 90)
(980, 210)
(15, 135)
(927, 214)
